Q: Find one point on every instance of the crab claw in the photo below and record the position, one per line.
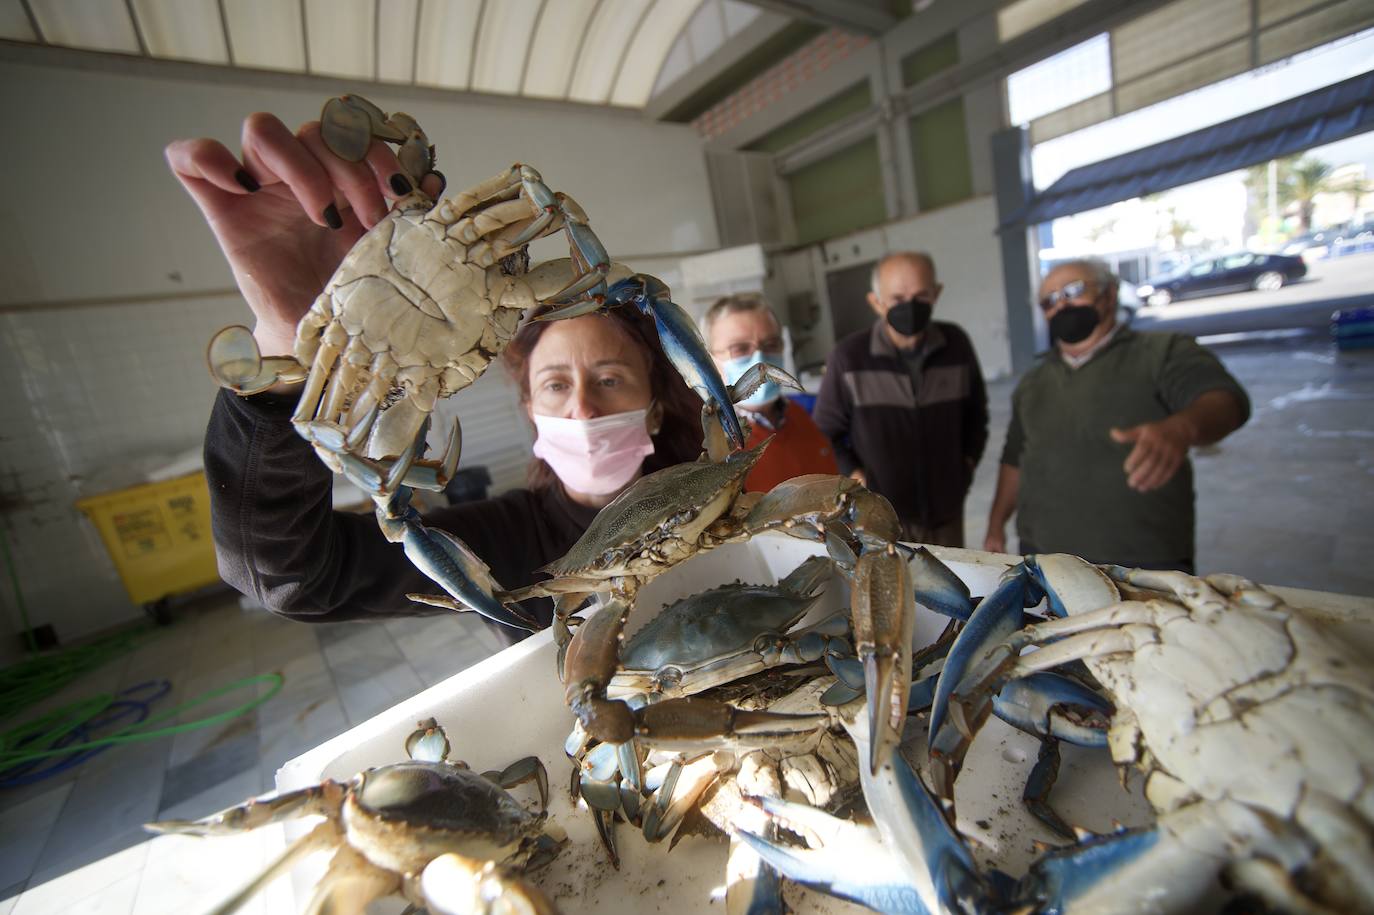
(1071, 582)
(884, 615)
(997, 617)
(755, 376)
(850, 862)
(938, 588)
(1033, 704)
(910, 860)
(453, 884)
(449, 561)
(684, 346)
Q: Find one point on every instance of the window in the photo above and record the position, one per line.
(1236, 261)
(1201, 269)
(1072, 75)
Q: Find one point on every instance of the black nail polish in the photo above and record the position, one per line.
(247, 181)
(443, 182)
(331, 216)
(401, 185)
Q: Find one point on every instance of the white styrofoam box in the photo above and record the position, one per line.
(511, 705)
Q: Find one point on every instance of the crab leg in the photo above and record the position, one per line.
(884, 614)
(323, 835)
(684, 346)
(997, 617)
(694, 723)
(323, 799)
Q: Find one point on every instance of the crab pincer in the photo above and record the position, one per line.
(884, 612)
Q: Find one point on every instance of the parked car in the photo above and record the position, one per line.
(1311, 245)
(1229, 273)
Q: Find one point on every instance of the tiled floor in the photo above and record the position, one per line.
(1288, 500)
(74, 843)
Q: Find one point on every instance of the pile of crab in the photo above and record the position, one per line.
(734, 711)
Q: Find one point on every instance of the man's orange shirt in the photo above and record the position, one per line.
(798, 447)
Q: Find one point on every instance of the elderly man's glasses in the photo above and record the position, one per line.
(1069, 292)
(738, 350)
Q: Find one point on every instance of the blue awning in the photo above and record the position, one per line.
(1323, 116)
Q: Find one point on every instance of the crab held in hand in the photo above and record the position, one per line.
(430, 830)
(418, 310)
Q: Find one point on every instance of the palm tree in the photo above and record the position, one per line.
(1297, 182)
(1177, 228)
(1309, 177)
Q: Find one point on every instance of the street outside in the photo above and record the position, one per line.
(1330, 285)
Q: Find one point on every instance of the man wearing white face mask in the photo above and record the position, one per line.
(741, 331)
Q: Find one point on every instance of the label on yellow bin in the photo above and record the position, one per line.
(158, 536)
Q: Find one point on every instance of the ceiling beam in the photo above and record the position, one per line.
(764, 28)
(862, 17)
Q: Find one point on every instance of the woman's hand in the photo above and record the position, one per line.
(287, 212)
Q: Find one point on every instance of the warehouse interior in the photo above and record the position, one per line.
(780, 146)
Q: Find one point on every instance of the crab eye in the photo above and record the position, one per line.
(668, 678)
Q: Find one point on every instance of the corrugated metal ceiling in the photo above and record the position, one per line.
(606, 52)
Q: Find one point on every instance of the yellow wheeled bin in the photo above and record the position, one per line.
(158, 535)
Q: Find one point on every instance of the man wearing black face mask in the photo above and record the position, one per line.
(904, 403)
(1096, 458)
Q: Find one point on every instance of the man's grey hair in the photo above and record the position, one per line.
(918, 256)
(734, 304)
(1096, 268)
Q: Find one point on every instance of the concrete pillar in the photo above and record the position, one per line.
(1013, 188)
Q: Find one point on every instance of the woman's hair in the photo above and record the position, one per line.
(678, 439)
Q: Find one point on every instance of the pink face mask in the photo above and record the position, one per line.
(594, 456)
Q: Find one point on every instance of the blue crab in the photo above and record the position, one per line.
(418, 310)
(716, 638)
(1250, 719)
(430, 830)
(673, 514)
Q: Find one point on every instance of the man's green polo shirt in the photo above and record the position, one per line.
(1073, 493)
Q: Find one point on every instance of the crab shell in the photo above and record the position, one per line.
(658, 521)
(403, 816)
(715, 623)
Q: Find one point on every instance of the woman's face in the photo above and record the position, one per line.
(586, 367)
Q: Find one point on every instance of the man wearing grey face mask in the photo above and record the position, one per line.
(904, 403)
(1096, 458)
